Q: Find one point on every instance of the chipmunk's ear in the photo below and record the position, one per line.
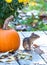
(31, 34)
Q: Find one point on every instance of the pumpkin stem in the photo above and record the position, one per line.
(5, 26)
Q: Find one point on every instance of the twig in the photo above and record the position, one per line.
(45, 32)
(18, 60)
(22, 34)
(43, 58)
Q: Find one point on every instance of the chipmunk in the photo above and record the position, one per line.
(28, 41)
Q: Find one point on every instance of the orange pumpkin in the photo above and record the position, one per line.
(9, 40)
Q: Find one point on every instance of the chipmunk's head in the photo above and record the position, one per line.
(34, 36)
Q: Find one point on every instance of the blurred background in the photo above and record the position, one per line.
(30, 15)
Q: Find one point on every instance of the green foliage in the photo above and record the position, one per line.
(40, 5)
(7, 9)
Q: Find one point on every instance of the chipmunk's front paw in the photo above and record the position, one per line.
(35, 46)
